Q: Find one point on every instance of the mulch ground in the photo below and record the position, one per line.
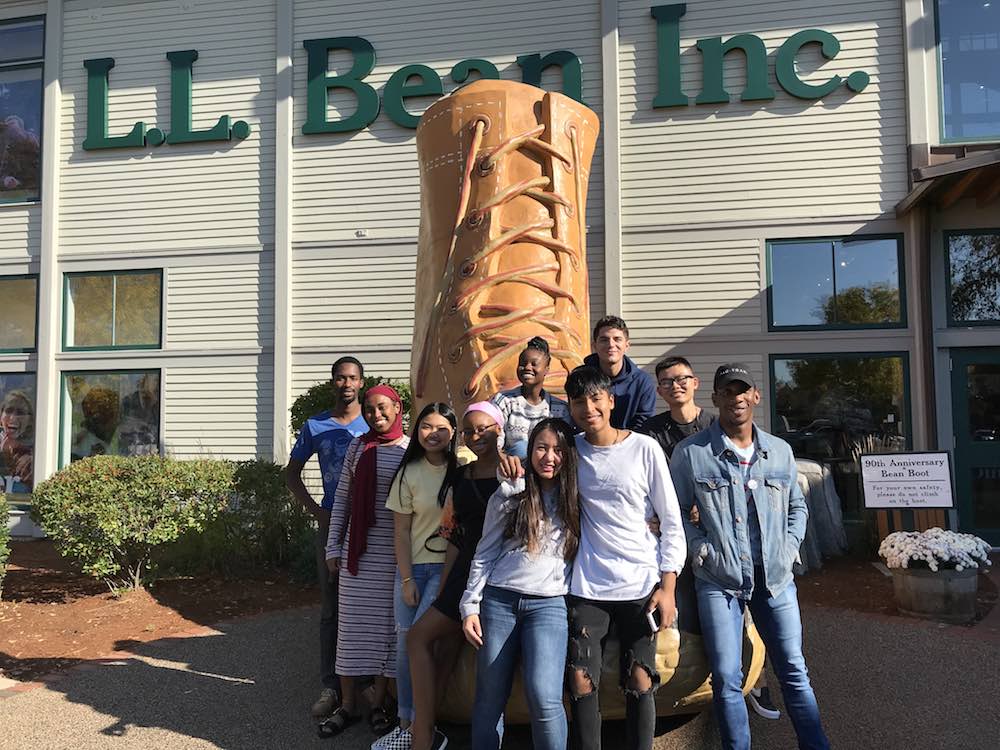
(52, 618)
(856, 584)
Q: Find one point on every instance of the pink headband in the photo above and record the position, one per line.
(489, 410)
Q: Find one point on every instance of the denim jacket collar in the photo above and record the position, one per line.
(760, 440)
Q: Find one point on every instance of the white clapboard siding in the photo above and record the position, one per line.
(219, 410)
(369, 180)
(363, 296)
(788, 158)
(220, 306)
(169, 197)
(10, 9)
(690, 287)
(20, 231)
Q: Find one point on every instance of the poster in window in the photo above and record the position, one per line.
(20, 133)
(17, 433)
(114, 414)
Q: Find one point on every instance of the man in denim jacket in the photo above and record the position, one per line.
(751, 520)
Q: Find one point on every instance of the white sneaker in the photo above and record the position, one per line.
(760, 702)
(397, 739)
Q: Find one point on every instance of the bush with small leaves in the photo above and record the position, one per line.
(109, 513)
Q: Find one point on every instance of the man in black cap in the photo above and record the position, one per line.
(751, 520)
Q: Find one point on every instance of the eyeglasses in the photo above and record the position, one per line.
(478, 431)
(681, 381)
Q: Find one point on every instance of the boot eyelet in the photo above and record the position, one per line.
(485, 120)
(455, 354)
(453, 308)
(467, 270)
(486, 167)
(474, 219)
(467, 394)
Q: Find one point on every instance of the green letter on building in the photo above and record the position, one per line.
(398, 87)
(97, 111)
(713, 50)
(181, 65)
(572, 71)
(784, 63)
(668, 55)
(320, 82)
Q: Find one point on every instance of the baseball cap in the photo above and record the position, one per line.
(732, 372)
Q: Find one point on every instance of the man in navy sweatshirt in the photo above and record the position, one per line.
(633, 389)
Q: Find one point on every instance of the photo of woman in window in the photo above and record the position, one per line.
(17, 442)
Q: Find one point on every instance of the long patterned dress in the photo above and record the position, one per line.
(366, 624)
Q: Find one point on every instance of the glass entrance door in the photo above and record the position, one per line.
(975, 391)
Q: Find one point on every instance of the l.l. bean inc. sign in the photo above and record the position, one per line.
(418, 80)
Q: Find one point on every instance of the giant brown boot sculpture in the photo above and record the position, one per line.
(502, 256)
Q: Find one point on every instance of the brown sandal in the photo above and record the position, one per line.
(336, 723)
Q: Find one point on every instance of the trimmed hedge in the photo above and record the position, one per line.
(261, 528)
(4, 539)
(109, 513)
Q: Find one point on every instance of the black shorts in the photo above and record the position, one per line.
(454, 587)
(589, 623)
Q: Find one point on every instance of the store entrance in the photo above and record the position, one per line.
(975, 389)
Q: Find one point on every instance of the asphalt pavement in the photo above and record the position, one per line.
(887, 683)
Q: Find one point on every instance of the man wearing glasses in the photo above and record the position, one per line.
(676, 383)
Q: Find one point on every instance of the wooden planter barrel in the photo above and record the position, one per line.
(945, 595)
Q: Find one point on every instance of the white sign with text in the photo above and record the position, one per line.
(907, 480)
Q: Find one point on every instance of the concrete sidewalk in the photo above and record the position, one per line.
(884, 683)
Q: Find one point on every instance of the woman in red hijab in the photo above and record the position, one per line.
(360, 550)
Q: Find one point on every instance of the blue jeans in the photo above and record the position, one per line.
(533, 628)
(777, 620)
(427, 576)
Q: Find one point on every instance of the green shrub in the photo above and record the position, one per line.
(321, 397)
(109, 513)
(258, 530)
(4, 539)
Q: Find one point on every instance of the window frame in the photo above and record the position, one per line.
(22, 64)
(942, 139)
(902, 354)
(33, 349)
(901, 272)
(951, 321)
(63, 429)
(111, 347)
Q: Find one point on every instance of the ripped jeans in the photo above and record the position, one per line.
(589, 623)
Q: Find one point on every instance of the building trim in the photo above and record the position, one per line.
(47, 381)
(283, 166)
(611, 103)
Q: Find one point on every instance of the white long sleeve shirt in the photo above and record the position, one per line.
(622, 486)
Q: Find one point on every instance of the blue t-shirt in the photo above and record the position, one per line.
(328, 439)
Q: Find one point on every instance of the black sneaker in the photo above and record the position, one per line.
(760, 702)
(440, 742)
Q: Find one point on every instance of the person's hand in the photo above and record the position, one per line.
(667, 606)
(653, 522)
(333, 565)
(473, 630)
(695, 515)
(510, 467)
(411, 596)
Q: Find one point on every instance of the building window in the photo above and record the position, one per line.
(973, 260)
(968, 45)
(832, 408)
(17, 433)
(22, 52)
(113, 310)
(110, 413)
(851, 282)
(18, 313)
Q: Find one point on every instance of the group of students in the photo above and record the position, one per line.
(564, 525)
